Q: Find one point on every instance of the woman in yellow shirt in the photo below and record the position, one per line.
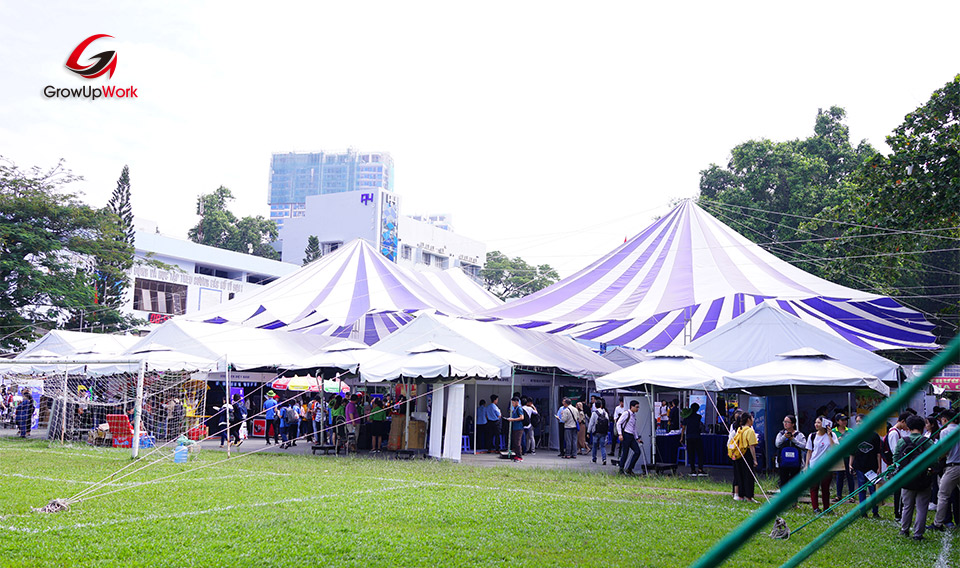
(743, 477)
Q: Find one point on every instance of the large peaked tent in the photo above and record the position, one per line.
(687, 274)
(354, 289)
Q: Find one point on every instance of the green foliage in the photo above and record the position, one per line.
(312, 252)
(220, 228)
(112, 276)
(768, 188)
(508, 277)
(902, 227)
(50, 247)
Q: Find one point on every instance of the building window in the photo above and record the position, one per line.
(331, 246)
(210, 271)
(406, 251)
(159, 297)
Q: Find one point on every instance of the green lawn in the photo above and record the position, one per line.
(285, 510)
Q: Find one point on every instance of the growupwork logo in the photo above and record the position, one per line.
(102, 62)
(92, 67)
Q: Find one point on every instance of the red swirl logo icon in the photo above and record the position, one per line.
(98, 65)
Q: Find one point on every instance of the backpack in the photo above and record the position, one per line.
(886, 452)
(923, 480)
(603, 423)
(535, 420)
(526, 418)
(737, 447)
(290, 415)
(789, 456)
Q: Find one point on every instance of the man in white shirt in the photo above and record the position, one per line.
(898, 432)
(530, 445)
(618, 410)
(627, 434)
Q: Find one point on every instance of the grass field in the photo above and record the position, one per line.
(285, 510)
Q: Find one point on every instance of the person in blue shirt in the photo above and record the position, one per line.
(481, 442)
(493, 421)
(516, 428)
(272, 417)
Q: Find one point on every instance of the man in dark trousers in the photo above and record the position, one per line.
(493, 422)
(627, 434)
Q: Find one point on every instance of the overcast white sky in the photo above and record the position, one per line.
(549, 130)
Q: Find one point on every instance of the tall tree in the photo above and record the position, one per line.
(312, 252)
(902, 229)
(507, 277)
(220, 228)
(50, 244)
(112, 277)
(769, 190)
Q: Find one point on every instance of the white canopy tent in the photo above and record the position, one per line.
(800, 370)
(347, 355)
(759, 335)
(671, 368)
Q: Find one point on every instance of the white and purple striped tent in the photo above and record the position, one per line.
(687, 274)
(353, 292)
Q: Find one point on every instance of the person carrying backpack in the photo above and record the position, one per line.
(530, 427)
(690, 429)
(289, 424)
(818, 444)
(915, 494)
(598, 428)
(890, 442)
(790, 445)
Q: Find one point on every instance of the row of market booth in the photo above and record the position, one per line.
(686, 281)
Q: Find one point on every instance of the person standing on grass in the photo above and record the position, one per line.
(915, 494)
(493, 422)
(290, 423)
(892, 439)
(237, 414)
(24, 413)
(742, 471)
(866, 460)
(568, 422)
(691, 427)
(352, 417)
(480, 444)
(272, 418)
(818, 444)
(516, 428)
(841, 430)
(950, 479)
(627, 434)
(598, 428)
(732, 426)
(791, 444)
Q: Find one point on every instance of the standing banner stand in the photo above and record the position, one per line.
(436, 421)
(454, 431)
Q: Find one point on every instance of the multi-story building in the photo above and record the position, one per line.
(421, 243)
(295, 176)
(173, 276)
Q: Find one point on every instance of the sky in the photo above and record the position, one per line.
(548, 130)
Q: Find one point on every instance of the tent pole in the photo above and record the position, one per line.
(63, 425)
(793, 395)
(510, 430)
(138, 412)
(226, 401)
(476, 401)
(849, 405)
(406, 416)
(653, 424)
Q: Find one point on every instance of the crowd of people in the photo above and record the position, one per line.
(905, 440)
(17, 407)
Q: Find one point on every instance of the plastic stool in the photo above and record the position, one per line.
(684, 450)
(465, 443)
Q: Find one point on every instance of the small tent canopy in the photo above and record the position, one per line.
(671, 368)
(196, 343)
(61, 343)
(344, 354)
(624, 357)
(759, 335)
(499, 345)
(429, 360)
(354, 290)
(807, 370)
